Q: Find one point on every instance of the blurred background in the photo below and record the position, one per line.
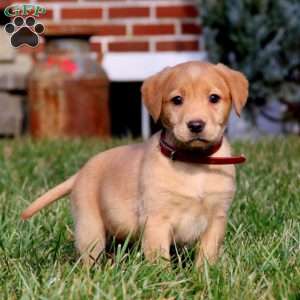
(84, 77)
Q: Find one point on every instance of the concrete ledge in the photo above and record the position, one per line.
(136, 66)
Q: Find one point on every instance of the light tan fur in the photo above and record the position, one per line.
(134, 189)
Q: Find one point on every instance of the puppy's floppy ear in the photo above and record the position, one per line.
(152, 92)
(238, 85)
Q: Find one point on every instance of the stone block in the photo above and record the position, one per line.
(11, 114)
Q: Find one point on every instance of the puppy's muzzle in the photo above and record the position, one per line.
(196, 126)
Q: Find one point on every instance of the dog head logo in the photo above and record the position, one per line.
(24, 29)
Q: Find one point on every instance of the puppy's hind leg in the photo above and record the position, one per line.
(89, 226)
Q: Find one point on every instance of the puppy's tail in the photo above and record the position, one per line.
(51, 196)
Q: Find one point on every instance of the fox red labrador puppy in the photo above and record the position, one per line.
(174, 188)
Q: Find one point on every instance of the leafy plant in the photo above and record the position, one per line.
(261, 38)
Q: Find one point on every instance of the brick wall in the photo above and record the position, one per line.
(126, 25)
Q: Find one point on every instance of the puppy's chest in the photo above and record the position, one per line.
(187, 200)
(194, 188)
(188, 218)
(187, 209)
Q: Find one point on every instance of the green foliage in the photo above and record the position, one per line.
(261, 38)
(261, 258)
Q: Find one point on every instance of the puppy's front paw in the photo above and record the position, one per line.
(202, 260)
(157, 257)
(200, 263)
(88, 261)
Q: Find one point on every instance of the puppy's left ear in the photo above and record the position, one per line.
(238, 85)
(152, 93)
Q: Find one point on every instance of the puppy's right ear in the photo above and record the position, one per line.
(152, 92)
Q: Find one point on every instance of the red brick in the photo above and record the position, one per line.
(128, 12)
(95, 47)
(153, 29)
(191, 28)
(177, 46)
(111, 30)
(179, 11)
(45, 1)
(5, 3)
(76, 29)
(48, 15)
(81, 13)
(128, 46)
(107, 1)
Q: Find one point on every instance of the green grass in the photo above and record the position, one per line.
(261, 258)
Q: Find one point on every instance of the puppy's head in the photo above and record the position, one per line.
(194, 99)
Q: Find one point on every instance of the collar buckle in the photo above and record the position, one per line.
(172, 155)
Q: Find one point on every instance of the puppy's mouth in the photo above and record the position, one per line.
(199, 139)
(192, 141)
(198, 143)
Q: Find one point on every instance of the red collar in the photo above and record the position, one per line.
(199, 157)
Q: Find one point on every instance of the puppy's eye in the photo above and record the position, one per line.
(177, 100)
(214, 98)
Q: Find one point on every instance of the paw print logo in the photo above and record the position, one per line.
(24, 31)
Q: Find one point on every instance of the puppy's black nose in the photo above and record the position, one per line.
(196, 126)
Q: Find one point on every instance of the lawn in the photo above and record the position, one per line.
(261, 258)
